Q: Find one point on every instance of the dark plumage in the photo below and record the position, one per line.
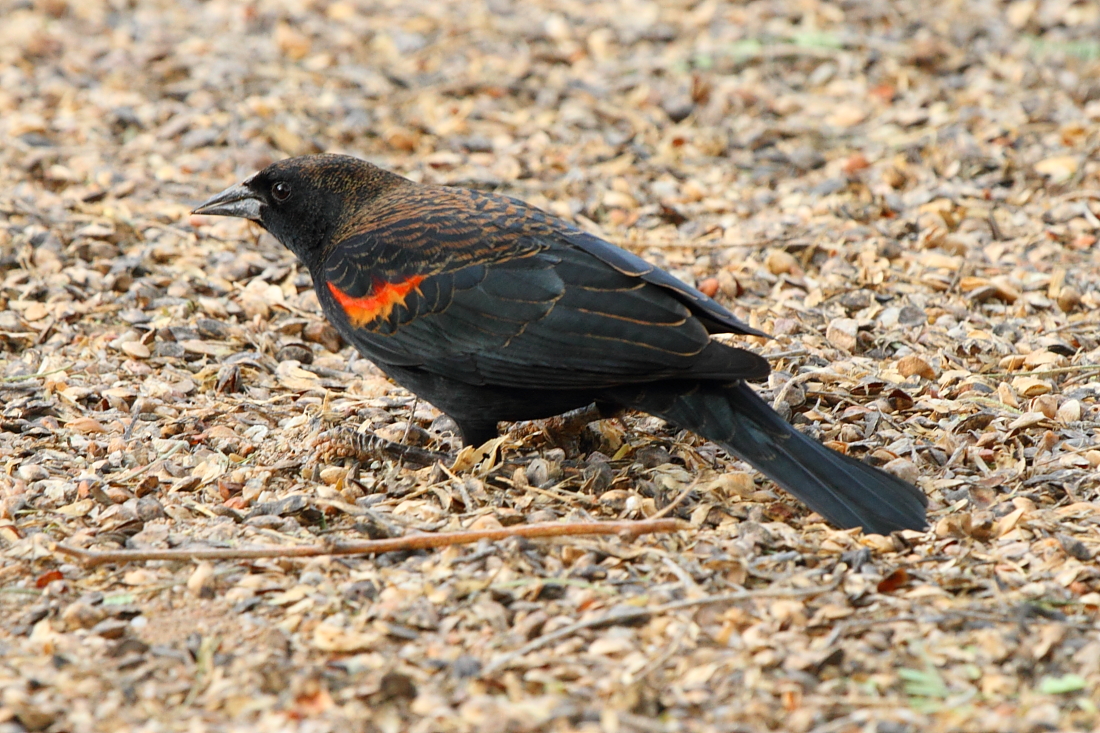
(493, 310)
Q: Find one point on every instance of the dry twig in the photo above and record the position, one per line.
(624, 616)
(92, 558)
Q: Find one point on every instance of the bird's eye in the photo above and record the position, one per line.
(281, 191)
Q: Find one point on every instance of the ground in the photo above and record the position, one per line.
(905, 194)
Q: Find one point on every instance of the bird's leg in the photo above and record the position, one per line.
(563, 429)
(342, 442)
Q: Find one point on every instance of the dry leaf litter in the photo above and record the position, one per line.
(905, 194)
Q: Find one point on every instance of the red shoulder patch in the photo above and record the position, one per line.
(376, 304)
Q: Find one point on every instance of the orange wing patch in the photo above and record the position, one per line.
(378, 303)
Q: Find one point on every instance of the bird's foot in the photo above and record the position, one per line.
(562, 430)
(341, 442)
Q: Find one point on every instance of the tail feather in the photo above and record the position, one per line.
(847, 492)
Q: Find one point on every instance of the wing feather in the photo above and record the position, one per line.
(489, 291)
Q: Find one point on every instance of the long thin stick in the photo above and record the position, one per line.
(1046, 372)
(679, 498)
(621, 616)
(25, 377)
(92, 558)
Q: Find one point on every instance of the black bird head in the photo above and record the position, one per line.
(305, 201)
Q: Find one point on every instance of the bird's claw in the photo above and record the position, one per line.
(561, 429)
(342, 442)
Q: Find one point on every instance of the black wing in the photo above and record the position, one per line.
(489, 291)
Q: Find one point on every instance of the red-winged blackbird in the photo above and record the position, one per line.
(493, 310)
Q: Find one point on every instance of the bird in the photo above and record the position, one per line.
(494, 310)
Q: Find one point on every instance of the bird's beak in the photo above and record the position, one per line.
(237, 200)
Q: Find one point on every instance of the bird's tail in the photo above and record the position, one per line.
(847, 492)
